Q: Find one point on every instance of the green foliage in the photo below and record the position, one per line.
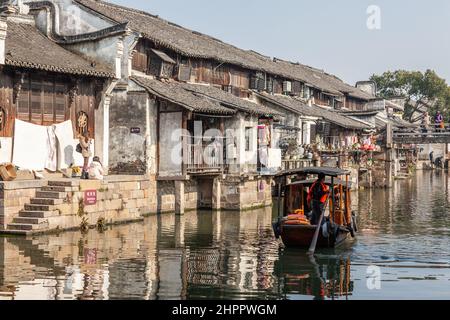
(419, 89)
(81, 211)
(101, 224)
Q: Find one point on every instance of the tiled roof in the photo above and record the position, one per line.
(175, 93)
(301, 108)
(27, 47)
(194, 44)
(231, 100)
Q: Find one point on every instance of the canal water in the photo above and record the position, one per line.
(402, 252)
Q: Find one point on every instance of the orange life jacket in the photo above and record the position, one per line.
(324, 192)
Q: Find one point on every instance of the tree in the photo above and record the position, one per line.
(421, 91)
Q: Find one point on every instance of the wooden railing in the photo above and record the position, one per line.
(204, 158)
(295, 164)
(430, 134)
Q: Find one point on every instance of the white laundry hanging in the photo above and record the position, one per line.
(45, 147)
(30, 145)
(52, 152)
(66, 145)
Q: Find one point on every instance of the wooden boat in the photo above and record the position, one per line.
(293, 226)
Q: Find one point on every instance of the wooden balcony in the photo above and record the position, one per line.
(203, 159)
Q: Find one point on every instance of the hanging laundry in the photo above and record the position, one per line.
(66, 145)
(30, 145)
(41, 147)
(51, 159)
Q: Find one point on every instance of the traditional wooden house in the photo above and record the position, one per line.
(175, 78)
(43, 84)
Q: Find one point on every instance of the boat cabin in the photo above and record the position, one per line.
(294, 212)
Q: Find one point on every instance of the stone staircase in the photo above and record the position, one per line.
(35, 215)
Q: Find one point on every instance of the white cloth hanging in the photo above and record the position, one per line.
(45, 147)
(66, 145)
(30, 145)
(52, 153)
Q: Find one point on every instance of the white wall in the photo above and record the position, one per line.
(5, 149)
(170, 164)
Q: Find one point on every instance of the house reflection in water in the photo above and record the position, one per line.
(195, 256)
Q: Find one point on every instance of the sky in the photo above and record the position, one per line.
(326, 34)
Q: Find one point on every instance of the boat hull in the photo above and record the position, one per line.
(300, 236)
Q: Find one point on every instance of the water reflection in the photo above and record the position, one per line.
(216, 255)
(322, 277)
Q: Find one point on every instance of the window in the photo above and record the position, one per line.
(248, 139)
(140, 59)
(42, 102)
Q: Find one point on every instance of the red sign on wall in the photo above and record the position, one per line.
(90, 197)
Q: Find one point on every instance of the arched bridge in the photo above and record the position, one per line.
(421, 135)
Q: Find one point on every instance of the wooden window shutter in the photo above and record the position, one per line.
(184, 73)
(36, 101)
(23, 101)
(296, 87)
(60, 102)
(47, 103)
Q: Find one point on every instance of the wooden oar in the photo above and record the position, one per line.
(312, 247)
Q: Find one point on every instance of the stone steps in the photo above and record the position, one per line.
(21, 227)
(37, 207)
(22, 220)
(70, 183)
(56, 189)
(43, 206)
(50, 195)
(46, 201)
(37, 214)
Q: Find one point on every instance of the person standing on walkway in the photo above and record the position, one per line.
(439, 121)
(85, 143)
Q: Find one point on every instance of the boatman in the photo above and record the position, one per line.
(318, 194)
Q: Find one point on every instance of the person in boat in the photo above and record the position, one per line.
(317, 197)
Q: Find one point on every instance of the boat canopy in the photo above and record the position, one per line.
(327, 171)
(327, 182)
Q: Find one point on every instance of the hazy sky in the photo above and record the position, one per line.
(327, 34)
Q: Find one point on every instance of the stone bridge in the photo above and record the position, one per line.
(421, 136)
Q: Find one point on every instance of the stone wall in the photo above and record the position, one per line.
(119, 199)
(13, 196)
(127, 153)
(166, 199)
(245, 194)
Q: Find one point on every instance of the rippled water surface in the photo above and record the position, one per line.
(404, 235)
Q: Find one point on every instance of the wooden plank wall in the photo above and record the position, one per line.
(6, 97)
(85, 101)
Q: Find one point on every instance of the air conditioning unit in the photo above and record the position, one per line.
(287, 86)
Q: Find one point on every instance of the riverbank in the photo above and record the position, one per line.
(404, 235)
